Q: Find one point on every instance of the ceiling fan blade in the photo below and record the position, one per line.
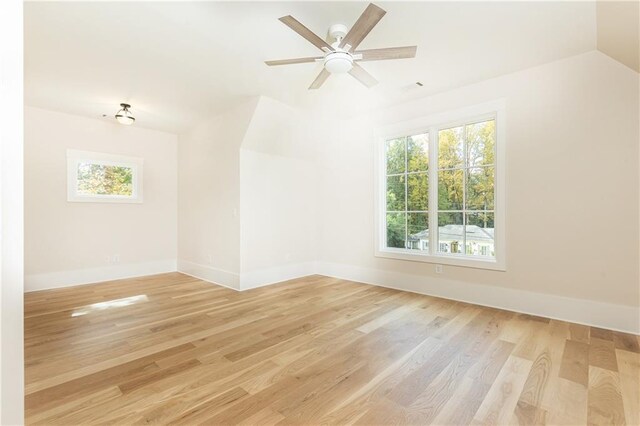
(365, 23)
(363, 76)
(320, 79)
(387, 53)
(305, 32)
(292, 61)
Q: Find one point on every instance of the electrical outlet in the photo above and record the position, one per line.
(209, 258)
(438, 269)
(116, 258)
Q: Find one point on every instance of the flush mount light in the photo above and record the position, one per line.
(124, 116)
(338, 62)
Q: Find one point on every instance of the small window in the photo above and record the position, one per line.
(98, 177)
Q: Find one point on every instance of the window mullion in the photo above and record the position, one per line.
(465, 170)
(433, 190)
(406, 192)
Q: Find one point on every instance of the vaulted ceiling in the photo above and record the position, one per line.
(178, 62)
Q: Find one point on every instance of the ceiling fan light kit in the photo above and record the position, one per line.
(124, 116)
(340, 57)
(338, 62)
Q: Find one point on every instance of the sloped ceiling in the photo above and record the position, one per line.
(619, 31)
(179, 62)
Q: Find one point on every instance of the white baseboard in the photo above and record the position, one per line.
(207, 273)
(605, 315)
(247, 280)
(263, 277)
(35, 282)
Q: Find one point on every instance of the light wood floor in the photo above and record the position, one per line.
(174, 349)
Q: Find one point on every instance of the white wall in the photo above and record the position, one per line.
(279, 184)
(572, 193)
(11, 219)
(248, 190)
(69, 243)
(209, 197)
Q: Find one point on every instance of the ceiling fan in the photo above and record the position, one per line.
(341, 56)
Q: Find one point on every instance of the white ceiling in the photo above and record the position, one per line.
(179, 62)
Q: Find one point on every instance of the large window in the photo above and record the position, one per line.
(97, 177)
(440, 198)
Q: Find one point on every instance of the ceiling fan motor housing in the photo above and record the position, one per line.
(338, 31)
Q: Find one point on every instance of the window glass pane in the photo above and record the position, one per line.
(450, 194)
(395, 152)
(450, 149)
(480, 143)
(480, 181)
(100, 179)
(450, 229)
(396, 230)
(480, 234)
(417, 191)
(418, 231)
(396, 193)
(417, 153)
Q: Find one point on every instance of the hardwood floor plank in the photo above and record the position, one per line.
(527, 414)
(627, 342)
(569, 405)
(601, 333)
(463, 404)
(575, 362)
(408, 391)
(579, 333)
(433, 399)
(355, 406)
(210, 407)
(629, 373)
(535, 385)
(57, 411)
(602, 354)
(605, 398)
(501, 400)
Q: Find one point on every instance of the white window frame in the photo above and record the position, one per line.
(476, 113)
(75, 157)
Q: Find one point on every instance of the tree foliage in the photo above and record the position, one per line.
(99, 179)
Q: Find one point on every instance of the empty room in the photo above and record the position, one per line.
(312, 213)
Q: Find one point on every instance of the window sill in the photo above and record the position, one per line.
(466, 261)
(103, 199)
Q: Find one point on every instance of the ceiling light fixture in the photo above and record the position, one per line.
(338, 62)
(124, 116)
